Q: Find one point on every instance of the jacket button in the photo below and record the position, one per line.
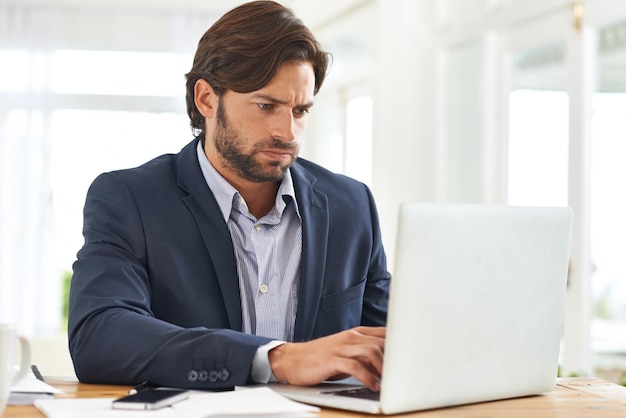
(203, 376)
(192, 375)
(224, 374)
(213, 376)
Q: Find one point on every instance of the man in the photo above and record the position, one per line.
(232, 262)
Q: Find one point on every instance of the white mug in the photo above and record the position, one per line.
(8, 375)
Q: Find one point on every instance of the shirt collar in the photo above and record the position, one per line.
(226, 194)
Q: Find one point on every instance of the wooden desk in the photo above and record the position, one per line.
(573, 397)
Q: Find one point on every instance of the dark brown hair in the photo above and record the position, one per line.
(243, 50)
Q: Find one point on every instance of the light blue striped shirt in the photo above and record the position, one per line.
(268, 252)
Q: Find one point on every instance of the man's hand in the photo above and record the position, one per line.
(357, 352)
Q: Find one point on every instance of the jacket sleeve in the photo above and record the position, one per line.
(114, 336)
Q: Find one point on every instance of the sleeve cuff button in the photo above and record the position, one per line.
(192, 375)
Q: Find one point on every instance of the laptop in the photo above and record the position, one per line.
(475, 310)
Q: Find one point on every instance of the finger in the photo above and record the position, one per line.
(371, 356)
(380, 332)
(355, 337)
(358, 370)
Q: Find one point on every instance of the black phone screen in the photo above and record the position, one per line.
(151, 399)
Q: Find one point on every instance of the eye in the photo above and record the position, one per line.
(265, 106)
(300, 112)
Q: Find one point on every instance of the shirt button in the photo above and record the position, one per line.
(264, 288)
(258, 227)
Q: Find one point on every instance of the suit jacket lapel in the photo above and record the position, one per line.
(313, 206)
(214, 231)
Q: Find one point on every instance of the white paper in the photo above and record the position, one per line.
(256, 402)
(30, 389)
(261, 401)
(94, 408)
(30, 384)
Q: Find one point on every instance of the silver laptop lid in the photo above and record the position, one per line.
(476, 304)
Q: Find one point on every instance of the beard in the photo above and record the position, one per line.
(229, 145)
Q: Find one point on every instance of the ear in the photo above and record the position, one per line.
(205, 98)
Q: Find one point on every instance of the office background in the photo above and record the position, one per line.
(480, 101)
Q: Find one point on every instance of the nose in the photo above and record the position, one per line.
(285, 127)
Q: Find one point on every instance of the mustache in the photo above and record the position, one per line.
(276, 143)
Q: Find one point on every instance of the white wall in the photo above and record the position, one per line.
(394, 57)
(407, 143)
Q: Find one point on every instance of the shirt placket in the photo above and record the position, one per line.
(265, 299)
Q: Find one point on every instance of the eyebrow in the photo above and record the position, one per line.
(278, 101)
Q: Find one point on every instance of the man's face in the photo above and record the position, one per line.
(257, 135)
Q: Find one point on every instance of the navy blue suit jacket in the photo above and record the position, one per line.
(155, 293)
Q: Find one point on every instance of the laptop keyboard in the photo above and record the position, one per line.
(361, 393)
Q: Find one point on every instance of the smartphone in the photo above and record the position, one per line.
(151, 399)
